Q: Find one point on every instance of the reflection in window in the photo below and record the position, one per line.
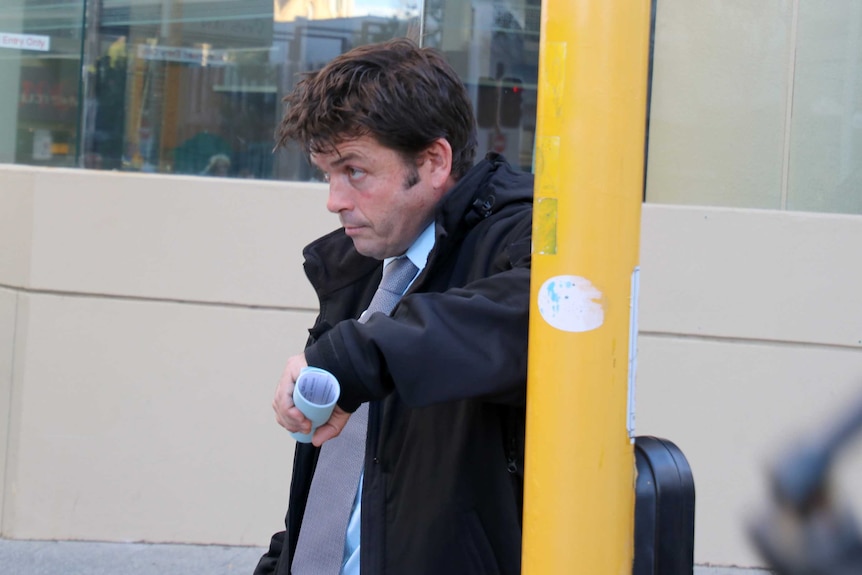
(494, 47)
(195, 86)
(40, 69)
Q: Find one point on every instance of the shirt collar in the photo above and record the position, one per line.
(420, 249)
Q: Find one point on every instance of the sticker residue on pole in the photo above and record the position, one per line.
(545, 236)
(571, 303)
(545, 209)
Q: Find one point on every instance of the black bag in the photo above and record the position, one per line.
(664, 509)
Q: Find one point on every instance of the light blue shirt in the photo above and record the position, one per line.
(418, 254)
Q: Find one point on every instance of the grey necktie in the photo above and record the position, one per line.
(320, 548)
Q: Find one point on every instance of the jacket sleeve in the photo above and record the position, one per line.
(467, 342)
(268, 563)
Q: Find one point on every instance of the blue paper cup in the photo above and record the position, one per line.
(315, 394)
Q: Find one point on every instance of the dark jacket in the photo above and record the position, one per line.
(446, 377)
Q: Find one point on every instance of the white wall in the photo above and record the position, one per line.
(144, 322)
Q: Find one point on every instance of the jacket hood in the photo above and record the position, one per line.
(487, 188)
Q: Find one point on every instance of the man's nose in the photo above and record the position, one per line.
(339, 196)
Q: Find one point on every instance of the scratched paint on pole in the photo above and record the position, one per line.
(553, 81)
(571, 303)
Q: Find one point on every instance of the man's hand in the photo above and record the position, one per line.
(291, 418)
(332, 428)
(286, 413)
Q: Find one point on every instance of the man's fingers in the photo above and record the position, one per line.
(286, 413)
(291, 418)
(332, 428)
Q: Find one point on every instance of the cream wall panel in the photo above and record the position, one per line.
(751, 274)
(174, 237)
(18, 365)
(8, 309)
(151, 421)
(16, 224)
(718, 106)
(733, 407)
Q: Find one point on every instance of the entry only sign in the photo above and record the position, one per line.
(25, 42)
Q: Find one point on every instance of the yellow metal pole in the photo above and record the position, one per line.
(579, 491)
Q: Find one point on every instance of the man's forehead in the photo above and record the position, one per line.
(344, 151)
(334, 159)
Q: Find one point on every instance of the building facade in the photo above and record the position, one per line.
(150, 268)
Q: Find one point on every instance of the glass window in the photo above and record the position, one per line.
(494, 47)
(825, 155)
(757, 104)
(752, 104)
(40, 64)
(718, 103)
(195, 86)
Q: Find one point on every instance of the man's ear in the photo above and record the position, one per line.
(438, 160)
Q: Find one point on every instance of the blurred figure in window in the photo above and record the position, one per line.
(219, 165)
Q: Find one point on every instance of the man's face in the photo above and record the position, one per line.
(383, 203)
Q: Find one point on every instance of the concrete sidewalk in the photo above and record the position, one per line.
(87, 558)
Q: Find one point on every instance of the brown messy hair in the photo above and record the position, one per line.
(404, 96)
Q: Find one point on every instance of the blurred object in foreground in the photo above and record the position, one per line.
(805, 531)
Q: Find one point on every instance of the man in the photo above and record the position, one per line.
(444, 373)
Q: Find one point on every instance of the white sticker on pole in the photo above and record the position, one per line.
(571, 303)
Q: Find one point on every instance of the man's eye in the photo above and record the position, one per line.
(354, 173)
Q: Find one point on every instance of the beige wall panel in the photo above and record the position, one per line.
(8, 310)
(732, 407)
(719, 97)
(173, 237)
(751, 274)
(826, 133)
(18, 365)
(16, 223)
(152, 421)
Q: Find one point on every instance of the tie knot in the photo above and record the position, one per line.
(396, 277)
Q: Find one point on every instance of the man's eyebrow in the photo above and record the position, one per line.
(348, 157)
